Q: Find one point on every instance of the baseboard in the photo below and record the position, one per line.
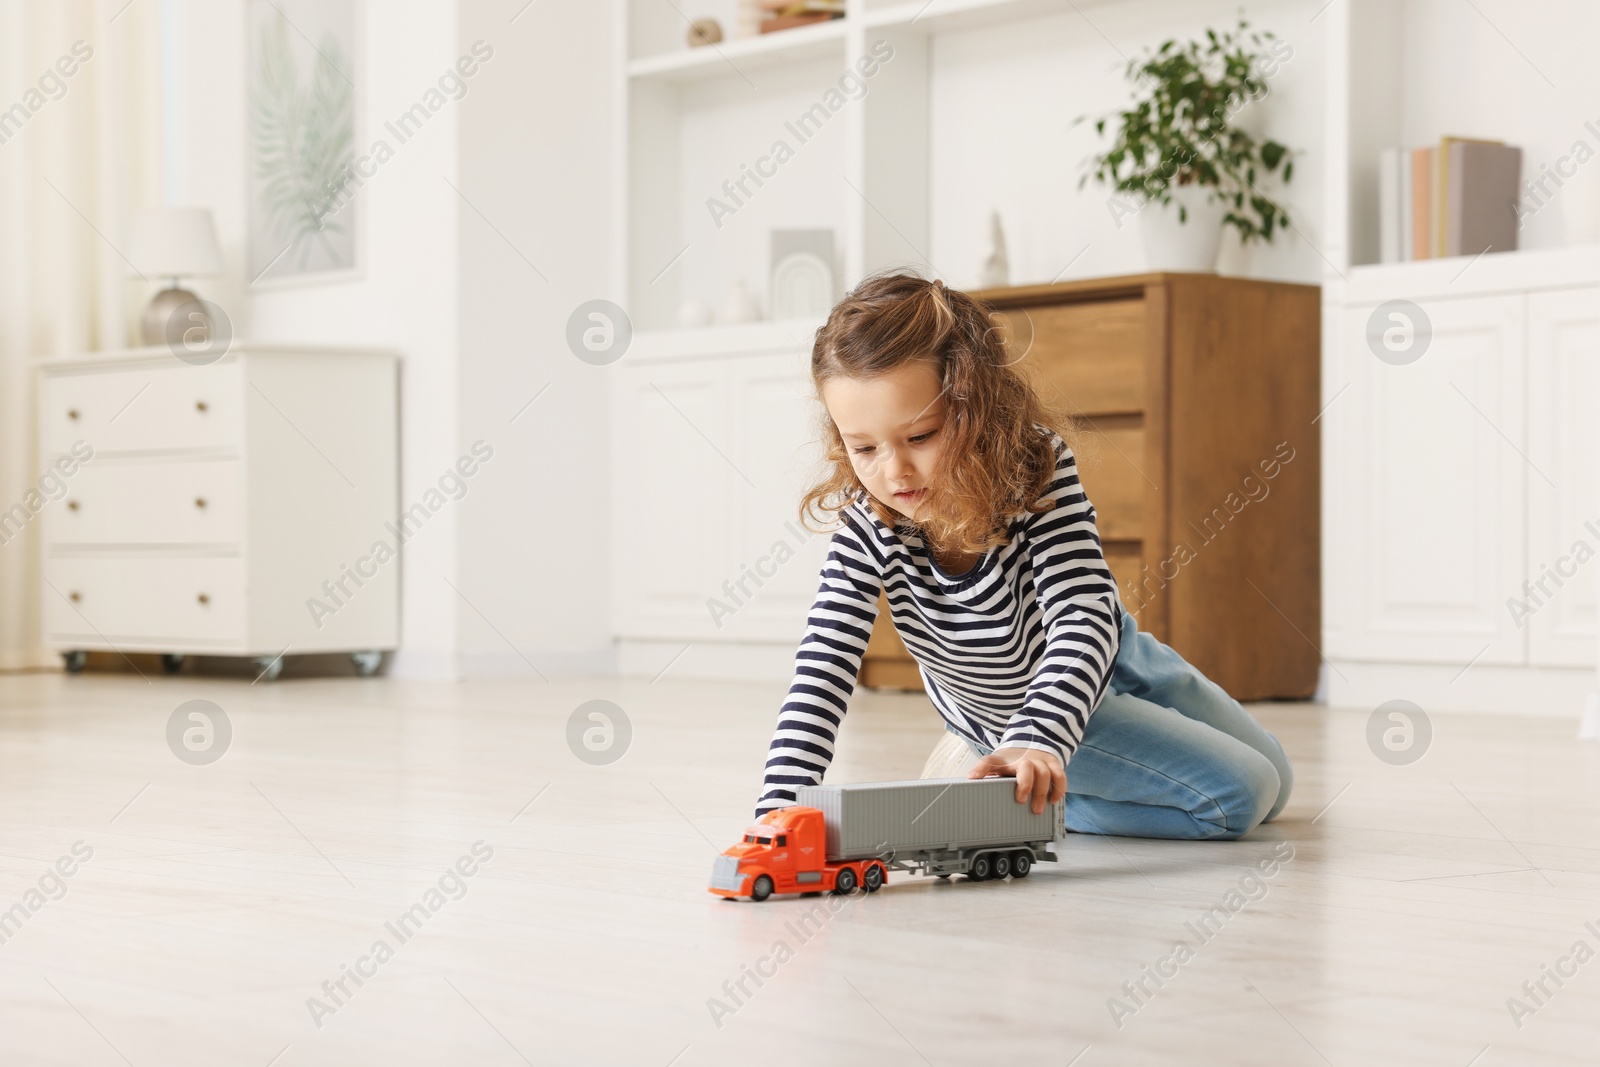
(1542, 691)
(1556, 692)
(719, 661)
(1589, 728)
(29, 659)
(421, 666)
(591, 661)
(1321, 694)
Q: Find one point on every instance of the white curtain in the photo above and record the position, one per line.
(78, 152)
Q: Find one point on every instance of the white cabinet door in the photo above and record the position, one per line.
(775, 573)
(1426, 494)
(712, 458)
(673, 479)
(1557, 605)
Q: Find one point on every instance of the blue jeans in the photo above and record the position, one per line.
(1167, 753)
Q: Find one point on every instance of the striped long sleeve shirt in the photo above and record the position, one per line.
(1014, 653)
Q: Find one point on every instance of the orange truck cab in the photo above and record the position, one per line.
(785, 851)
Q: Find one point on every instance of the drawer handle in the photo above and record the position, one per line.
(200, 502)
(72, 505)
(203, 598)
(74, 596)
(72, 413)
(200, 406)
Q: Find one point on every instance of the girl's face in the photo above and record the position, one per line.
(892, 429)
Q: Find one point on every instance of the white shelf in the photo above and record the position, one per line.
(732, 58)
(742, 339)
(692, 124)
(699, 134)
(729, 58)
(939, 16)
(1450, 276)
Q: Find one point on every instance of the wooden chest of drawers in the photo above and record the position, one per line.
(1196, 398)
(216, 501)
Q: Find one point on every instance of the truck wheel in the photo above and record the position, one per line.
(845, 882)
(874, 879)
(1021, 863)
(1002, 865)
(981, 868)
(762, 889)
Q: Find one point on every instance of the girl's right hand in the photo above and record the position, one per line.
(1039, 774)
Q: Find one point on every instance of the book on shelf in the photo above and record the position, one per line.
(1389, 205)
(1447, 192)
(789, 22)
(1403, 238)
(1456, 198)
(1483, 181)
(1420, 237)
(787, 14)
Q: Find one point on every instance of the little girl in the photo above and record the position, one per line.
(958, 497)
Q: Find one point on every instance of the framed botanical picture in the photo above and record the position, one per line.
(303, 100)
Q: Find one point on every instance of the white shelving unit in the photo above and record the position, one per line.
(750, 53)
(687, 120)
(1453, 480)
(724, 342)
(676, 104)
(671, 248)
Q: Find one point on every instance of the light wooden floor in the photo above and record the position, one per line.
(219, 898)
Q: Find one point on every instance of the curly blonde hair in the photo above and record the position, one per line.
(994, 463)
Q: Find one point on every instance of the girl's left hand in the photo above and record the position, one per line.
(1039, 774)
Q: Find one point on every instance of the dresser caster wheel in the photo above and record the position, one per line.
(367, 663)
(74, 661)
(171, 662)
(269, 667)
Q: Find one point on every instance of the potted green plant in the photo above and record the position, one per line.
(1177, 151)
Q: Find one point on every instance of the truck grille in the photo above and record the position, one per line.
(725, 874)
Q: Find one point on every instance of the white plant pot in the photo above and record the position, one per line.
(1190, 246)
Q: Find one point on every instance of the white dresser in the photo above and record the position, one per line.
(232, 508)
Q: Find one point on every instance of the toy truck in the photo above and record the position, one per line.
(837, 837)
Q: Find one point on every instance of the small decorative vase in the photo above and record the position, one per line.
(996, 272)
(1190, 246)
(703, 32)
(740, 305)
(747, 18)
(692, 313)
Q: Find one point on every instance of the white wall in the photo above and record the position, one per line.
(407, 298)
(534, 530)
(1004, 100)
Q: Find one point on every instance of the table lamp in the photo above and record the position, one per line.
(172, 242)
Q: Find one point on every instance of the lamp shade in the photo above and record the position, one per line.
(175, 242)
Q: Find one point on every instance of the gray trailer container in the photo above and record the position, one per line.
(937, 825)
